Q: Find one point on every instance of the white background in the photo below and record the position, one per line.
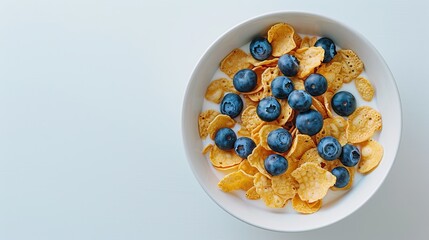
(90, 109)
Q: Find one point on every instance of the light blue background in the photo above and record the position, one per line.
(90, 110)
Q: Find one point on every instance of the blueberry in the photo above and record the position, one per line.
(260, 48)
(329, 46)
(231, 105)
(245, 80)
(288, 65)
(342, 175)
(343, 103)
(316, 84)
(309, 122)
(329, 148)
(300, 100)
(225, 138)
(268, 109)
(244, 147)
(275, 164)
(279, 140)
(281, 87)
(350, 155)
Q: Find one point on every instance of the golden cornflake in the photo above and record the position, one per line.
(335, 127)
(298, 84)
(264, 189)
(313, 156)
(365, 88)
(257, 96)
(327, 97)
(305, 207)
(267, 77)
(220, 121)
(313, 180)
(235, 61)
(268, 63)
(281, 38)
(224, 159)
(249, 102)
(285, 113)
(247, 168)
(309, 59)
(236, 180)
(362, 124)
(371, 155)
(284, 185)
(243, 132)
(332, 74)
(351, 65)
(257, 159)
(252, 194)
(308, 42)
(227, 169)
(249, 118)
(319, 107)
(217, 89)
(207, 148)
(297, 39)
(300, 145)
(204, 120)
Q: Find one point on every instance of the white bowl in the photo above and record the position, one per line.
(388, 103)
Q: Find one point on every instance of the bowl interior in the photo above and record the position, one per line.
(388, 103)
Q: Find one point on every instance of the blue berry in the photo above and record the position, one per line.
(260, 48)
(300, 100)
(316, 84)
(342, 175)
(279, 140)
(231, 105)
(329, 46)
(350, 155)
(288, 65)
(268, 109)
(245, 80)
(343, 103)
(329, 148)
(309, 122)
(244, 147)
(225, 138)
(281, 87)
(275, 164)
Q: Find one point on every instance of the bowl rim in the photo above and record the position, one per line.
(271, 14)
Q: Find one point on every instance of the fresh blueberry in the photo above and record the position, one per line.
(260, 48)
(342, 175)
(350, 155)
(329, 148)
(231, 105)
(268, 109)
(244, 146)
(279, 140)
(343, 103)
(288, 65)
(316, 84)
(281, 87)
(275, 164)
(329, 46)
(309, 122)
(225, 138)
(245, 80)
(300, 100)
